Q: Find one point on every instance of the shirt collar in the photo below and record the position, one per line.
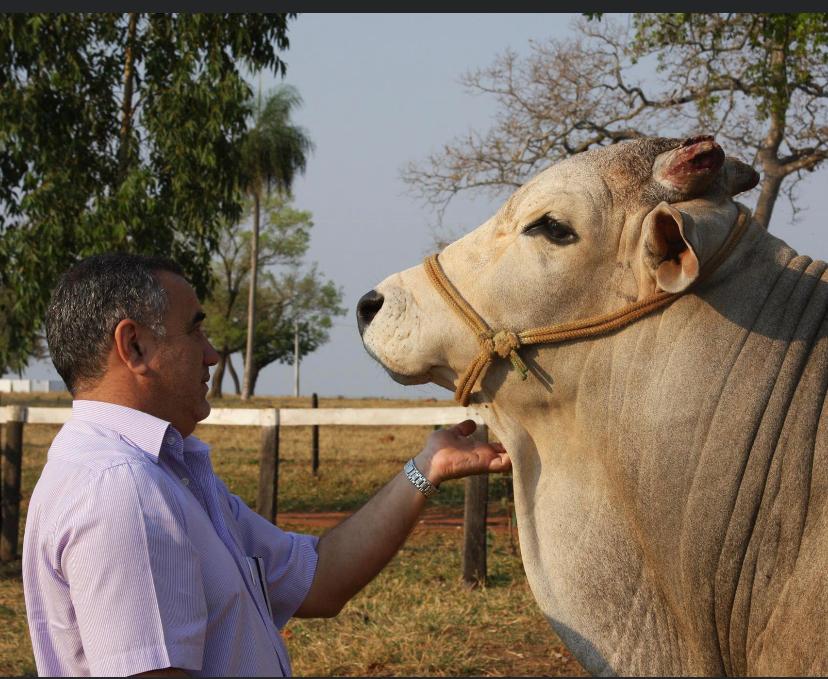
(141, 429)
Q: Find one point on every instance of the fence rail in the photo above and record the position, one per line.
(270, 420)
(285, 417)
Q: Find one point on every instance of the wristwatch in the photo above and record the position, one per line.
(416, 477)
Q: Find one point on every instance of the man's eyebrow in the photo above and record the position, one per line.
(200, 316)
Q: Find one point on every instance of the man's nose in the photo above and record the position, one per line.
(211, 356)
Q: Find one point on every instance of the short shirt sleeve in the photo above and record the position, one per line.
(133, 574)
(290, 558)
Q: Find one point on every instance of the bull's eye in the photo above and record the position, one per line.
(551, 228)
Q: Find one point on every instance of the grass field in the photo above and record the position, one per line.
(415, 618)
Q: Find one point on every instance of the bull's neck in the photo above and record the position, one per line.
(609, 449)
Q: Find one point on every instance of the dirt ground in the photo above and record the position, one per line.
(432, 518)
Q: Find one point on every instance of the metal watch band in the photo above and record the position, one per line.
(416, 477)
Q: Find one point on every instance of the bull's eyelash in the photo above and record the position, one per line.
(553, 229)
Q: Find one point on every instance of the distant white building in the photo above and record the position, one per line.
(29, 386)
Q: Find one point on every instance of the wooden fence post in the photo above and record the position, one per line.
(266, 504)
(474, 521)
(315, 439)
(12, 454)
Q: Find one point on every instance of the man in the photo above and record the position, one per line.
(136, 557)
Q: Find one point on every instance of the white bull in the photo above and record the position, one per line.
(670, 475)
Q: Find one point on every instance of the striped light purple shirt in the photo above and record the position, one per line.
(137, 557)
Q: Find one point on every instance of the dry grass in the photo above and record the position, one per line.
(416, 618)
(16, 657)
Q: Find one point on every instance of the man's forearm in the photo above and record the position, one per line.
(352, 553)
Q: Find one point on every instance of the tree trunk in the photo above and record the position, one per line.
(296, 358)
(218, 375)
(247, 388)
(234, 375)
(767, 197)
(769, 152)
(126, 103)
(254, 377)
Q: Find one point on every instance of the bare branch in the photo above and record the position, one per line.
(717, 73)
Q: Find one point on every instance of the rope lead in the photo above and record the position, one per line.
(505, 343)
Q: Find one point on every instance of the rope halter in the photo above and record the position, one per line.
(507, 343)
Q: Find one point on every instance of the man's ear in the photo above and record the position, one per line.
(131, 345)
(667, 251)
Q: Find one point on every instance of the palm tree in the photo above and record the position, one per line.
(273, 152)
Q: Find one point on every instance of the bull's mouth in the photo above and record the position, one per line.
(407, 380)
(401, 378)
(439, 375)
(442, 377)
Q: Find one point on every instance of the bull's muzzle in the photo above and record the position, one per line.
(367, 308)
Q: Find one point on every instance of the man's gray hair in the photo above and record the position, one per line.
(90, 300)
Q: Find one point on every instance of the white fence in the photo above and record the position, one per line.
(285, 417)
(29, 386)
(269, 420)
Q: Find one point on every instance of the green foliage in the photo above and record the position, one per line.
(285, 295)
(283, 241)
(273, 152)
(295, 298)
(274, 149)
(118, 132)
(777, 53)
(757, 82)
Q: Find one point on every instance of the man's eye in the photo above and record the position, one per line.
(556, 231)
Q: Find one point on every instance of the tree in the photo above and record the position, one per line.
(285, 293)
(273, 152)
(758, 81)
(283, 241)
(294, 298)
(118, 132)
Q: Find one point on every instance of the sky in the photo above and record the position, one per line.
(379, 91)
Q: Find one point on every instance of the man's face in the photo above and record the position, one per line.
(181, 359)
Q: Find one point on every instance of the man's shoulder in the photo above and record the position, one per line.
(93, 447)
(86, 460)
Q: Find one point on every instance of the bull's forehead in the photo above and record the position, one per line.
(570, 175)
(621, 175)
(566, 187)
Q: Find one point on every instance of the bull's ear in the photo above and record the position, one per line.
(667, 251)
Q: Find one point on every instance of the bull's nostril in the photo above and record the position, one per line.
(368, 307)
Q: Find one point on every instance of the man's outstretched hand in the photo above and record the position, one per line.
(353, 552)
(451, 454)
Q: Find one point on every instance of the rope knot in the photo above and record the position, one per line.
(504, 343)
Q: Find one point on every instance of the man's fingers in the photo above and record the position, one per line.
(481, 459)
(464, 428)
(456, 455)
(494, 458)
(501, 463)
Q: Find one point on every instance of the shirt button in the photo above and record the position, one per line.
(170, 439)
(185, 481)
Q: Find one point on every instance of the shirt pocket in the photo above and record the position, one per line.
(257, 574)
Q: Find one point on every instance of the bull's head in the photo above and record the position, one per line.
(589, 234)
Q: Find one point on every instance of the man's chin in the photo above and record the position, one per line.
(204, 410)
